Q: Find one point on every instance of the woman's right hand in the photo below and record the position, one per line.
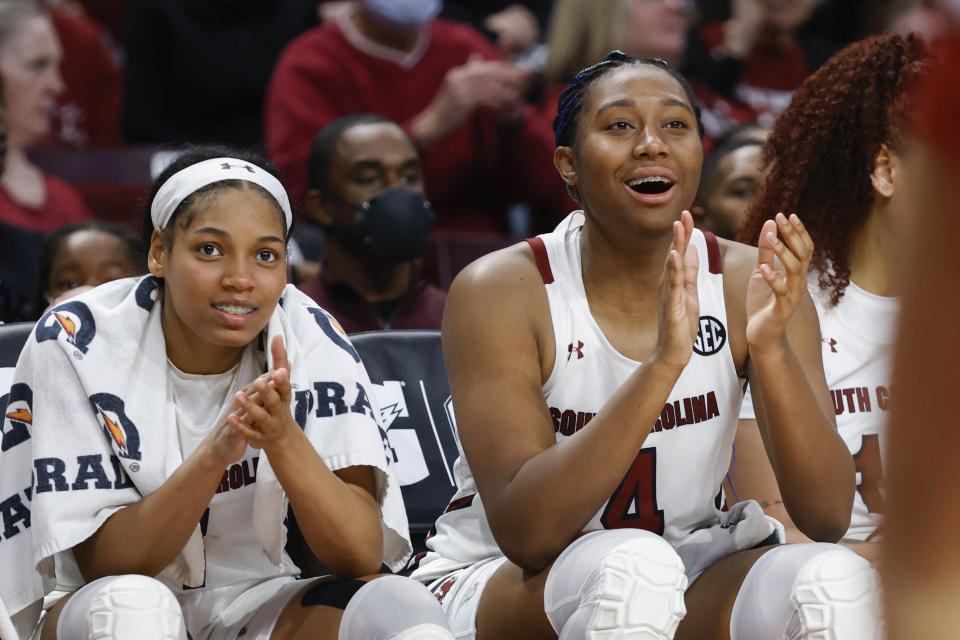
(679, 301)
(225, 444)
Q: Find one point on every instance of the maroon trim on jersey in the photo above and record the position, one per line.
(415, 562)
(461, 503)
(713, 252)
(543, 260)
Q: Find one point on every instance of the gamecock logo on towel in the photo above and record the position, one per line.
(337, 336)
(147, 292)
(17, 416)
(109, 411)
(72, 320)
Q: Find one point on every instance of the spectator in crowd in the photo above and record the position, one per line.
(31, 202)
(513, 26)
(88, 110)
(30, 56)
(746, 68)
(442, 82)
(81, 256)
(852, 200)
(583, 31)
(729, 181)
(366, 190)
(197, 70)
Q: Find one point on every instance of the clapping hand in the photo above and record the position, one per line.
(679, 301)
(773, 292)
(264, 418)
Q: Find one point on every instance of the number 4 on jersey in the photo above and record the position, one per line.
(634, 503)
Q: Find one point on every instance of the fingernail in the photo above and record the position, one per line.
(782, 219)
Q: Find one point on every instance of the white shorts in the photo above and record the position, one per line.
(459, 594)
(254, 613)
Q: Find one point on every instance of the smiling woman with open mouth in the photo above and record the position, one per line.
(596, 412)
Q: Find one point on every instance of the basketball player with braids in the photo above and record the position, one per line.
(596, 373)
(851, 200)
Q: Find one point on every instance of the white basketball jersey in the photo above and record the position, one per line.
(857, 339)
(674, 483)
(857, 336)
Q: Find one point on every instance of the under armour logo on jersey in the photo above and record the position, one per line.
(832, 342)
(226, 166)
(442, 591)
(578, 349)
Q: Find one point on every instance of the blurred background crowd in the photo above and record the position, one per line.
(100, 94)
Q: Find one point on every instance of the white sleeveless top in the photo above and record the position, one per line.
(673, 485)
(857, 337)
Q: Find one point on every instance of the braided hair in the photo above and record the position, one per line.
(571, 100)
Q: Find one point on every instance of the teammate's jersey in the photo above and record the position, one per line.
(857, 336)
(673, 485)
(857, 339)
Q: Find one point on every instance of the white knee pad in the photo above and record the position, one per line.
(811, 591)
(121, 607)
(394, 608)
(614, 584)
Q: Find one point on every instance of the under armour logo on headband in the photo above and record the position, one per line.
(180, 185)
(226, 166)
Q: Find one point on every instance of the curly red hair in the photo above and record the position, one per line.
(822, 149)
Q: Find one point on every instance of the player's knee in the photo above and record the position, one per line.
(811, 589)
(126, 606)
(393, 607)
(622, 568)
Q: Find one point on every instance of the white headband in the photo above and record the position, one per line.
(185, 182)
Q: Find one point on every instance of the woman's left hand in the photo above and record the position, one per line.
(266, 419)
(772, 293)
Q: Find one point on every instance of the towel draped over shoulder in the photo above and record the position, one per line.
(87, 430)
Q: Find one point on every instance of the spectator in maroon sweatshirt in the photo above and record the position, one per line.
(366, 190)
(442, 82)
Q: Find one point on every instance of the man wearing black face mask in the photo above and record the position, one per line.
(366, 190)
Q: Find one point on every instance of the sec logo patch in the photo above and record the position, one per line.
(711, 336)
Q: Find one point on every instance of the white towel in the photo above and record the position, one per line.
(744, 526)
(87, 415)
